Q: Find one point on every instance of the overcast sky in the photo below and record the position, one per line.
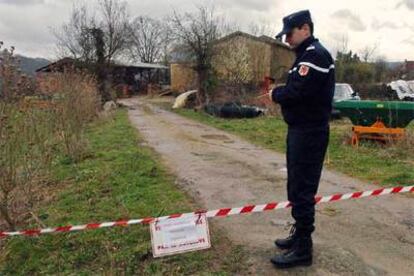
(389, 24)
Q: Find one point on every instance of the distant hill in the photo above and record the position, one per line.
(29, 65)
(394, 64)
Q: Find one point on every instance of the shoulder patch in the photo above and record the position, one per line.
(310, 48)
(303, 70)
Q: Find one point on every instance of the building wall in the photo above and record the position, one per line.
(281, 61)
(183, 77)
(260, 54)
(243, 54)
(264, 59)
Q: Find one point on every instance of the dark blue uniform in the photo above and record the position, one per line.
(306, 103)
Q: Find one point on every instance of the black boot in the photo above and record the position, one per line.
(299, 255)
(289, 241)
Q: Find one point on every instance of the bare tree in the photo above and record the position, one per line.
(368, 52)
(196, 33)
(260, 29)
(115, 25)
(96, 39)
(380, 69)
(100, 66)
(74, 38)
(148, 38)
(343, 43)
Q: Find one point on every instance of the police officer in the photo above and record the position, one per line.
(306, 102)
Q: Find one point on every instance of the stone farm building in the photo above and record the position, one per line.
(265, 57)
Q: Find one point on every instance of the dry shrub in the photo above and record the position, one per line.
(26, 152)
(35, 130)
(77, 103)
(26, 142)
(13, 84)
(401, 149)
(224, 93)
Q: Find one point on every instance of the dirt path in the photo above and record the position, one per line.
(372, 236)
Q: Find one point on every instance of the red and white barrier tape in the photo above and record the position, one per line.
(213, 213)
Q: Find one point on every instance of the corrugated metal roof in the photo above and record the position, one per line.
(142, 65)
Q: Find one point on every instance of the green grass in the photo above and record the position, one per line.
(385, 165)
(121, 179)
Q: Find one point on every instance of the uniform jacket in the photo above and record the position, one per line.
(306, 99)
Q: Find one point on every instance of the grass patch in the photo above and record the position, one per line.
(119, 180)
(385, 165)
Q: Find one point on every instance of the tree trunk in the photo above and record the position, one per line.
(101, 67)
(202, 77)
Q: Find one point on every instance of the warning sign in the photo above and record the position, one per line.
(179, 235)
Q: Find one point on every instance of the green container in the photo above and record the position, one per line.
(365, 113)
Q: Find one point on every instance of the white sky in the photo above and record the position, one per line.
(389, 24)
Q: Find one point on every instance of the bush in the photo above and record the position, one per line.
(26, 142)
(35, 130)
(76, 103)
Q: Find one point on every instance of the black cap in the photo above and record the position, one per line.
(293, 20)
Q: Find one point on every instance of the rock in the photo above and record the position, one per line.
(181, 100)
(109, 106)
